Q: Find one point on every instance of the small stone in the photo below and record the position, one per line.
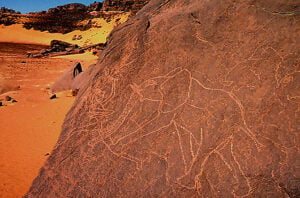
(53, 97)
(14, 101)
(47, 154)
(75, 92)
(23, 62)
(79, 37)
(1, 104)
(8, 98)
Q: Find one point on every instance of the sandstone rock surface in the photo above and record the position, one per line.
(189, 99)
(125, 5)
(65, 81)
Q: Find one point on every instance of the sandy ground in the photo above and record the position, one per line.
(30, 128)
(17, 34)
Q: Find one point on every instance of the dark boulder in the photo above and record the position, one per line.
(74, 37)
(53, 97)
(59, 46)
(8, 98)
(79, 37)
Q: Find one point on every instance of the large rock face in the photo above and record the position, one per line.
(189, 99)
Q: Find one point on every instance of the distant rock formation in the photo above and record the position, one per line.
(59, 48)
(72, 7)
(62, 19)
(97, 6)
(66, 18)
(5, 16)
(7, 10)
(189, 99)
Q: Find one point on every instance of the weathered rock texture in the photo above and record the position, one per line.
(5, 16)
(189, 99)
(62, 19)
(124, 5)
(65, 81)
(59, 48)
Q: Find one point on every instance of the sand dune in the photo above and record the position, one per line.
(28, 132)
(30, 127)
(17, 34)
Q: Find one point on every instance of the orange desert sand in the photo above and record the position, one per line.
(30, 127)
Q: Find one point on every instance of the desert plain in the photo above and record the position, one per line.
(30, 125)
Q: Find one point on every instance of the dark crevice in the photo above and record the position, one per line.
(195, 19)
(280, 12)
(193, 15)
(148, 25)
(69, 155)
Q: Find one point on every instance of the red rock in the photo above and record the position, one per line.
(123, 5)
(53, 97)
(188, 99)
(95, 6)
(64, 82)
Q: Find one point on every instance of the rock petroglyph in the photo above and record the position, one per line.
(198, 99)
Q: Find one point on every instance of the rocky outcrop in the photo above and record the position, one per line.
(69, 17)
(5, 16)
(57, 45)
(97, 6)
(188, 99)
(7, 10)
(62, 19)
(59, 48)
(72, 7)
